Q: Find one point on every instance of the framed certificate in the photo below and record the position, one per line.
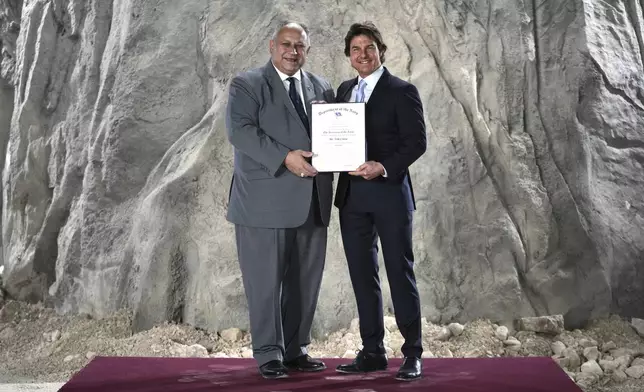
(338, 136)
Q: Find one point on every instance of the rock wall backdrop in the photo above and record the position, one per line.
(117, 166)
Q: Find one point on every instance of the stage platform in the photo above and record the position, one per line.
(137, 374)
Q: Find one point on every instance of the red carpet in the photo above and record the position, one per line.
(128, 374)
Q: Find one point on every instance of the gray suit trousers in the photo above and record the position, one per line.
(282, 271)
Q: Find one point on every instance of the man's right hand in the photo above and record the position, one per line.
(296, 163)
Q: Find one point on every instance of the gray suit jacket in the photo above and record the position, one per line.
(263, 127)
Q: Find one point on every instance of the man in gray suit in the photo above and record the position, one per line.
(279, 203)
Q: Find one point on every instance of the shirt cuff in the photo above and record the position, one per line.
(385, 173)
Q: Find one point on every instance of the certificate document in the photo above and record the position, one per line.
(338, 136)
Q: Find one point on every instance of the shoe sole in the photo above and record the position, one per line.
(408, 379)
(362, 372)
(275, 377)
(307, 370)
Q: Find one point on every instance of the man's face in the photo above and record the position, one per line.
(289, 50)
(364, 55)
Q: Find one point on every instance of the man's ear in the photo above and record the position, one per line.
(271, 45)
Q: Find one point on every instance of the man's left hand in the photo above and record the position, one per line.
(369, 170)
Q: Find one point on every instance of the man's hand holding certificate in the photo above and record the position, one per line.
(338, 136)
(369, 170)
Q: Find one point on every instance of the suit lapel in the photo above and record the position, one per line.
(345, 95)
(309, 95)
(380, 91)
(308, 91)
(280, 92)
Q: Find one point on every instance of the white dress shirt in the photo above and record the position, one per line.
(298, 84)
(371, 81)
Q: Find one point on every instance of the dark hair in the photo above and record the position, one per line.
(371, 31)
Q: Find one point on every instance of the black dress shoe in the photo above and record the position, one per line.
(273, 369)
(305, 363)
(411, 369)
(364, 362)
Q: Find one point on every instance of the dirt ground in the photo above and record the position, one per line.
(37, 345)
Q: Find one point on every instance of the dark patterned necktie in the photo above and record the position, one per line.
(297, 102)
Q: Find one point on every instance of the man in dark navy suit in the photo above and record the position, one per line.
(377, 200)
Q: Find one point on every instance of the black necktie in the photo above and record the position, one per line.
(297, 102)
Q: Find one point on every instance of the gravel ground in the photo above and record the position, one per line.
(37, 345)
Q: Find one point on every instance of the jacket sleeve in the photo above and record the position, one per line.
(329, 94)
(244, 133)
(338, 95)
(413, 137)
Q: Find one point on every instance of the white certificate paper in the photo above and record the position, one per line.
(338, 136)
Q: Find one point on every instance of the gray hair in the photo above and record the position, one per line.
(291, 23)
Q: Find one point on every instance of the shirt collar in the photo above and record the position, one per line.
(372, 79)
(284, 76)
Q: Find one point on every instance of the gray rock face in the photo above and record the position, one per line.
(117, 164)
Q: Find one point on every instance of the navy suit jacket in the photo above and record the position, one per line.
(396, 137)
